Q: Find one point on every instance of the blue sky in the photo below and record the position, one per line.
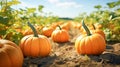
(64, 8)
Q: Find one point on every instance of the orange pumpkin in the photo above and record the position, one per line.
(47, 31)
(35, 45)
(10, 54)
(55, 24)
(60, 35)
(65, 26)
(82, 31)
(98, 31)
(29, 31)
(91, 44)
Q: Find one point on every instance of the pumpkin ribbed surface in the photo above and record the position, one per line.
(60, 36)
(35, 46)
(94, 44)
(91, 44)
(10, 54)
(47, 31)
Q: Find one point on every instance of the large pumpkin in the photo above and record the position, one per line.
(10, 54)
(35, 45)
(93, 44)
(60, 35)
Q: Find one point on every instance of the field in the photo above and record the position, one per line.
(33, 37)
(65, 55)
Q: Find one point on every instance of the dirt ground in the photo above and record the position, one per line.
(65, 55)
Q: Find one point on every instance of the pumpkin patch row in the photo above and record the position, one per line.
(62, 35)
(36, 45)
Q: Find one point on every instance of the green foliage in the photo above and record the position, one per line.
(4, 20)
(111, 5)
(13, 35)
(40, 7)
(98, 7)
(13, 22)
(109, 18)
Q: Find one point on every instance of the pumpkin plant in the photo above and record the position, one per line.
(35, 45)
(91, 44)
(10, 54)
(60, 35)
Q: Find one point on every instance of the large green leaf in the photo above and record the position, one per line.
(3, 32)
(4, 20)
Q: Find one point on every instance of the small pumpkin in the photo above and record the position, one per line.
(55, 24)
(10, 54)
(65, 26)
(91, 44)
(60, 35)
(47, 31)
(35, 45)
(82, 31)
(99, 31)
(29, 31)
(77, 25)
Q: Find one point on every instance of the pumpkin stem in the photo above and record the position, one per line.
(86, 28)
(33, 29)
(94, 26)
(59, 27)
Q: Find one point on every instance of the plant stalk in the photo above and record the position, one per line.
(94, 26)
(33, 29)
(59, 27)
(86, 28)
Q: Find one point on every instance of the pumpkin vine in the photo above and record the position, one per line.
(33, 29)
(86, 28)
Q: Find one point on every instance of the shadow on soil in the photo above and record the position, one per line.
(107, 58)
(38, 62)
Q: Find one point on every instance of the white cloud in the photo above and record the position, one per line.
(68, 4)
(65, 4)
(53, 1)
(24, 4)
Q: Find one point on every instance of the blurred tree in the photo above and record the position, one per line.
(98, 7)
